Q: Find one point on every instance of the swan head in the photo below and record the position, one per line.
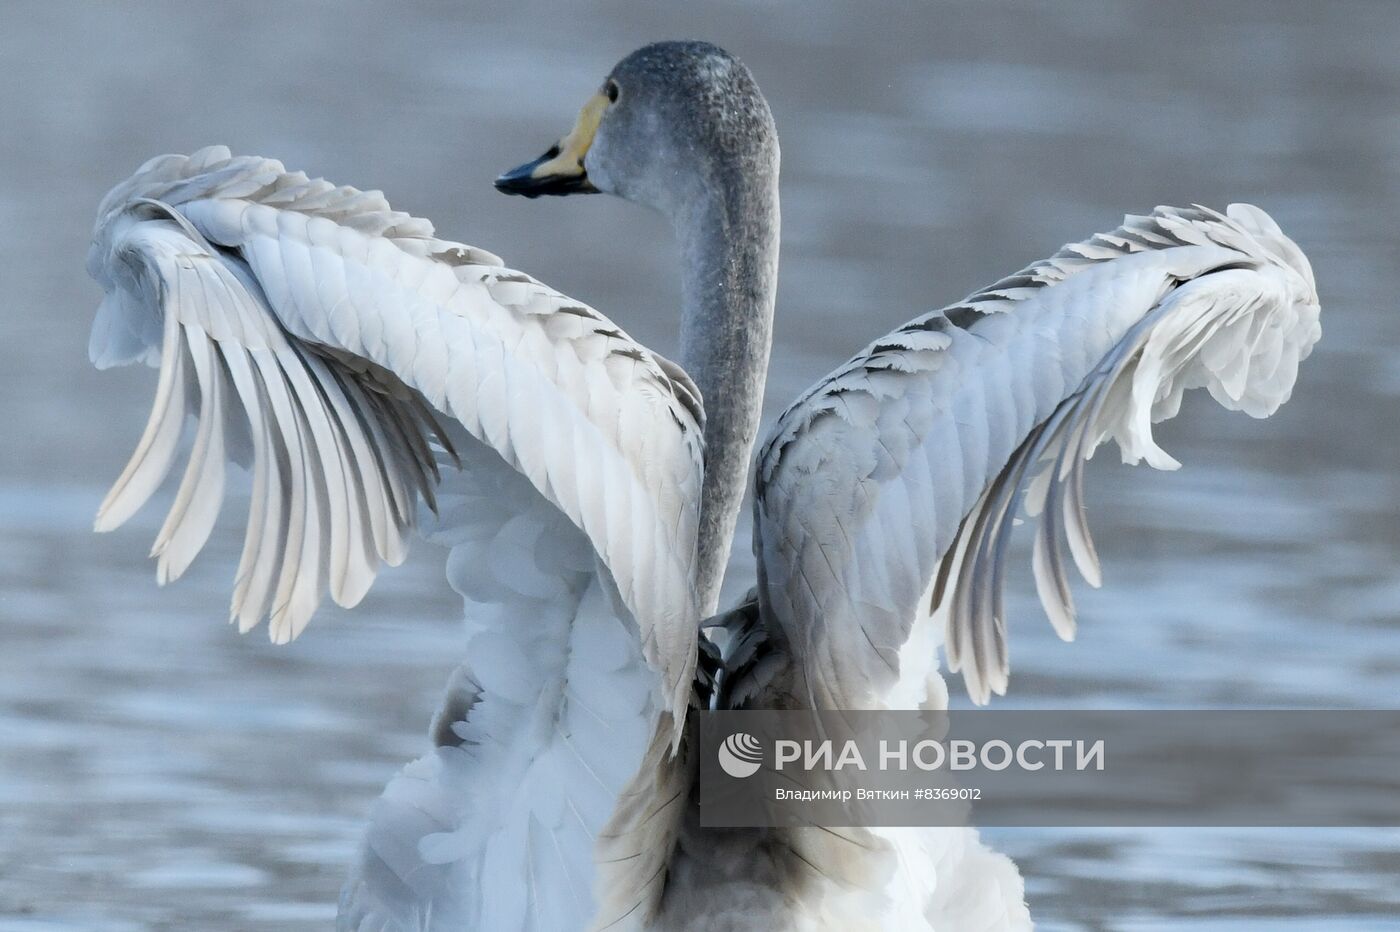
(671, 121)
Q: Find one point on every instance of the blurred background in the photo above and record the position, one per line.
(157, 771)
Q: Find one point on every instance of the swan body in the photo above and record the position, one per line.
(379, 381)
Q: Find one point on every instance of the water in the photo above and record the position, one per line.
(157, 771)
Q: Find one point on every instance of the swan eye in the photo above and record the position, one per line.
(611, 90)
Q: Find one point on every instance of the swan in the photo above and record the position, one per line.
(378, 381)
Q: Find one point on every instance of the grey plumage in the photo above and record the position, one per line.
(691, 136)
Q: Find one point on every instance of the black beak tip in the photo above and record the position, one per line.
(523, 181)
(519, 181)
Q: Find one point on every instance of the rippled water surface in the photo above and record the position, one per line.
(159, 772)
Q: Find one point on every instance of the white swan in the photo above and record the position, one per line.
(332, 345)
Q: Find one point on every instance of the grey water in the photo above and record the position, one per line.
(157, 771)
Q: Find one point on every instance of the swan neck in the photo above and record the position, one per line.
(729, 253)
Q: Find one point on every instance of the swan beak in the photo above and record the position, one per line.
(560, 170)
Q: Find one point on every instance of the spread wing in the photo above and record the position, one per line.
(320, 337)
(888, 490)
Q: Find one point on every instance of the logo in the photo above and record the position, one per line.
(740, 755)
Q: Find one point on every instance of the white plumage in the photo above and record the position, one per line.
(545, 722)
(362, 367)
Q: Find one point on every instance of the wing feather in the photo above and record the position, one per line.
(265, 509)
(201, 491)
(941, 431)
(155, 451)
